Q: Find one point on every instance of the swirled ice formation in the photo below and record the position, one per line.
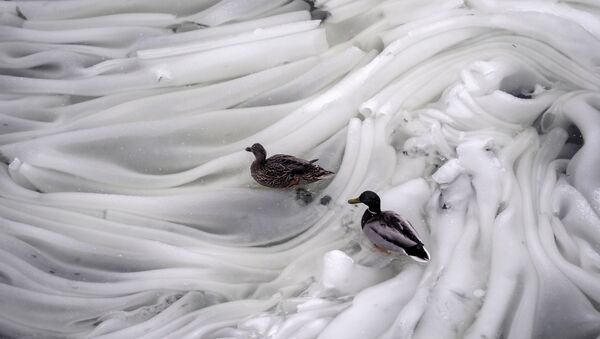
(127, 209)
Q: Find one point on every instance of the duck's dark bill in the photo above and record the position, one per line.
(248, 149)
(354, 201)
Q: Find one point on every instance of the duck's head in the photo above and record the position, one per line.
(258, 150)
(369, 198)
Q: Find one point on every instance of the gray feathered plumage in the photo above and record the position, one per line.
(388, 230)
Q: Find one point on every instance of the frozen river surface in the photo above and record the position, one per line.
(127, 209)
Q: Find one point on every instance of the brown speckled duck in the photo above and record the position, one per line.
(283, 171)
(388, 231)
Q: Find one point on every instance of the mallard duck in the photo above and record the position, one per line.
(388, 231)
(283, 171)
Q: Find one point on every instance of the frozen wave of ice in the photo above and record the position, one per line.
(127, 209)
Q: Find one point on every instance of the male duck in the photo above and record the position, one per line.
(283, 171)
(388, 231)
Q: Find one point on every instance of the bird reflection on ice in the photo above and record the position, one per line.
(128, 210)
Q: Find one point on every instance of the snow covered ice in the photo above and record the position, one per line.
(127, 209)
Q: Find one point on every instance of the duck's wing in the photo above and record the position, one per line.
(289, 163)
(395, 230)
(289, 159)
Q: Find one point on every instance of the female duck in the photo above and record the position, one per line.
(283, 171)
(388, 231)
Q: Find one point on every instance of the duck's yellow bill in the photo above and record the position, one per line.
(354, 201)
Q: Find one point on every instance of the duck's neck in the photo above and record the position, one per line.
(256, 164)
(375, 209)
(368, 215)
(259, 161)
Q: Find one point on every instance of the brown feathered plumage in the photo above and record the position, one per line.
(283, 171)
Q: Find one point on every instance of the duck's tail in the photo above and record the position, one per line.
(324, 174)
(418, 253)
